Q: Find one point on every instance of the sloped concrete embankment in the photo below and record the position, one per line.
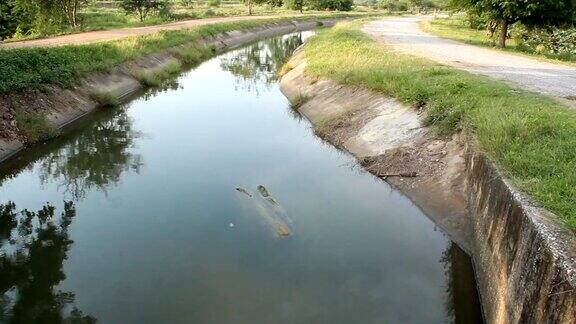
(62, 106)
(389, 141)
(525, 261)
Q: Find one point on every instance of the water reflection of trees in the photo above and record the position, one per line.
(462, 302)
(257, 65)
(93, 154)
(33, 247)
(95, 158)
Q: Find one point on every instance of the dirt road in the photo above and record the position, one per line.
(103, 35)
(404, 34)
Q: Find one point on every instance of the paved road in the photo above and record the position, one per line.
(404, 34)
(102, 35)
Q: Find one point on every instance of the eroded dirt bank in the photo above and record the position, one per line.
(62, 106)
(525, 261)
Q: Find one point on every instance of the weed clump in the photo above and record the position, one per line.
(193, 55)
(105, 98)
(155, 78)
(299, 100)
(34, 127)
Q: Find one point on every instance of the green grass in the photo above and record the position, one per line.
(531, 137)
(456, 28)
(156, 77)
(34, 127)
(64, 65)
(299, 100)
(105, 98)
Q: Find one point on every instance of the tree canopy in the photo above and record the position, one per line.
(532, 13)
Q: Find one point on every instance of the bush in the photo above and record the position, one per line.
(209, 13)
(214, 3)
(476, 21)
(341, 5)
(187, 3)
(560, 42)
(394, 5)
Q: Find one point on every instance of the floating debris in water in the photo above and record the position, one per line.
(269, 210)
(263, 191)
(244, 191)
(282, 230)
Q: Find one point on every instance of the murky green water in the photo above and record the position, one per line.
(142, 222)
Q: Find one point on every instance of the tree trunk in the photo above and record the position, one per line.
(75, 13)
(250, 7)
(503, 33)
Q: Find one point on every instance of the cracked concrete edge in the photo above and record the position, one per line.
(122, 83)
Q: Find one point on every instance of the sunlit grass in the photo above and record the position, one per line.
(532, 138)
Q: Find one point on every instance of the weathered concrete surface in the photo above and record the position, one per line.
(388, 139)
(525, 261)
(63, 106)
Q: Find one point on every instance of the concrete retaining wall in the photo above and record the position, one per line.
(525, 261)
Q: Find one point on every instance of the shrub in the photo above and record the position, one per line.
(187, 3)
(394, 5)
(556, 41)
(342, 5)
(214, 3)
(209, 13)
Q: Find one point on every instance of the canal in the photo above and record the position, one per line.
(210, 200)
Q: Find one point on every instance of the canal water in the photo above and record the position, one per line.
(211, 201)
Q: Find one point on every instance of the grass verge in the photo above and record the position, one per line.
(34, 127)
(456, 28)
(64, 65)
(531, 137)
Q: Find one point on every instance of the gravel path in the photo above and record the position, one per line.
(404, 34)
(104, 35)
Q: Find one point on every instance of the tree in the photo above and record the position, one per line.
(8, 20)
(295, 5)
(142, 7)
(273, 3)
(540, 13)
(341, 5)
(69, 8)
